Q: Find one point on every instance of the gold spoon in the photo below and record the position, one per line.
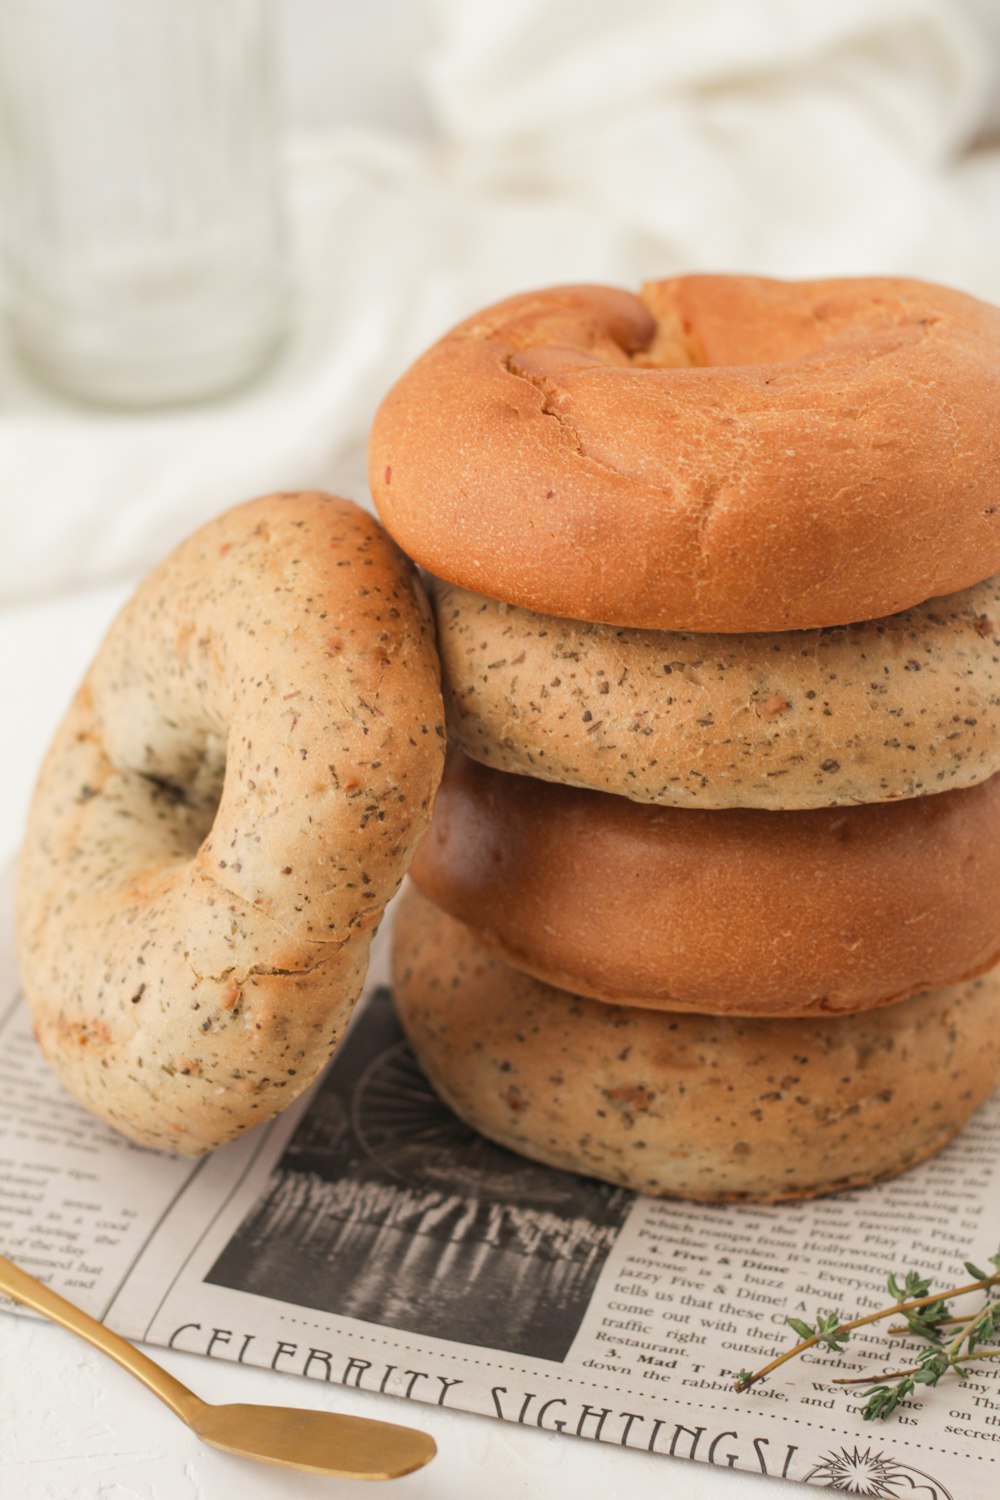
(320, 1442)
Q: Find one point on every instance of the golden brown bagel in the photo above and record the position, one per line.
(719, 453)
(810, 718)
(231, 800)
(738, 912)
(707, 1107)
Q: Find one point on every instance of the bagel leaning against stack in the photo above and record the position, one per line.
(721, 558)
(232, 798)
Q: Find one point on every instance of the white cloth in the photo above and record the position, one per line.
(573, 140)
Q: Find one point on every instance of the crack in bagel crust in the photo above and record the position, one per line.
(231, 800)
(594, 455)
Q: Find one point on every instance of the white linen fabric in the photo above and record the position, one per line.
(568, 140)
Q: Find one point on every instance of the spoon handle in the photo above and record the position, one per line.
(24, 1288)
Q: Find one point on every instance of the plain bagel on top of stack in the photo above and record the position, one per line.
(719, 453)
(719, 559)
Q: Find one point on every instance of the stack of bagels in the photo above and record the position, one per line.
(709, 904)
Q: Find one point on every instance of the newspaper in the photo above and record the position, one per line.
(368, 1238)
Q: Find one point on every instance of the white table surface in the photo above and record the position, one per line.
(75, 1427)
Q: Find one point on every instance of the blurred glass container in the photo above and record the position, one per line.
(140, 207)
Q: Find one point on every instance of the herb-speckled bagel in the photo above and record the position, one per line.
(703, 1107)
(718, 453)
(231, 800)
(729, 912)
(892, 708)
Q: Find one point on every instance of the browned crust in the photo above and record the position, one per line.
(720, 453)
(717, 1109)
(737, 912)
(232, 798)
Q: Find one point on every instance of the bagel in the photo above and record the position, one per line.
(739, 912)
(719, 453)
(864, 713)
(232, 798)
(707, 1107)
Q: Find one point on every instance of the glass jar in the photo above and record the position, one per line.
(139, 194)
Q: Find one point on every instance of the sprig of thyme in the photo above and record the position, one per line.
(925, 1315)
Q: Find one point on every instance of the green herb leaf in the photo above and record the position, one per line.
(830, 1333)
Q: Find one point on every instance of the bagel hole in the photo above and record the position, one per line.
(184, 825)
(184, 794)
(727, 322)
(672, 348)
